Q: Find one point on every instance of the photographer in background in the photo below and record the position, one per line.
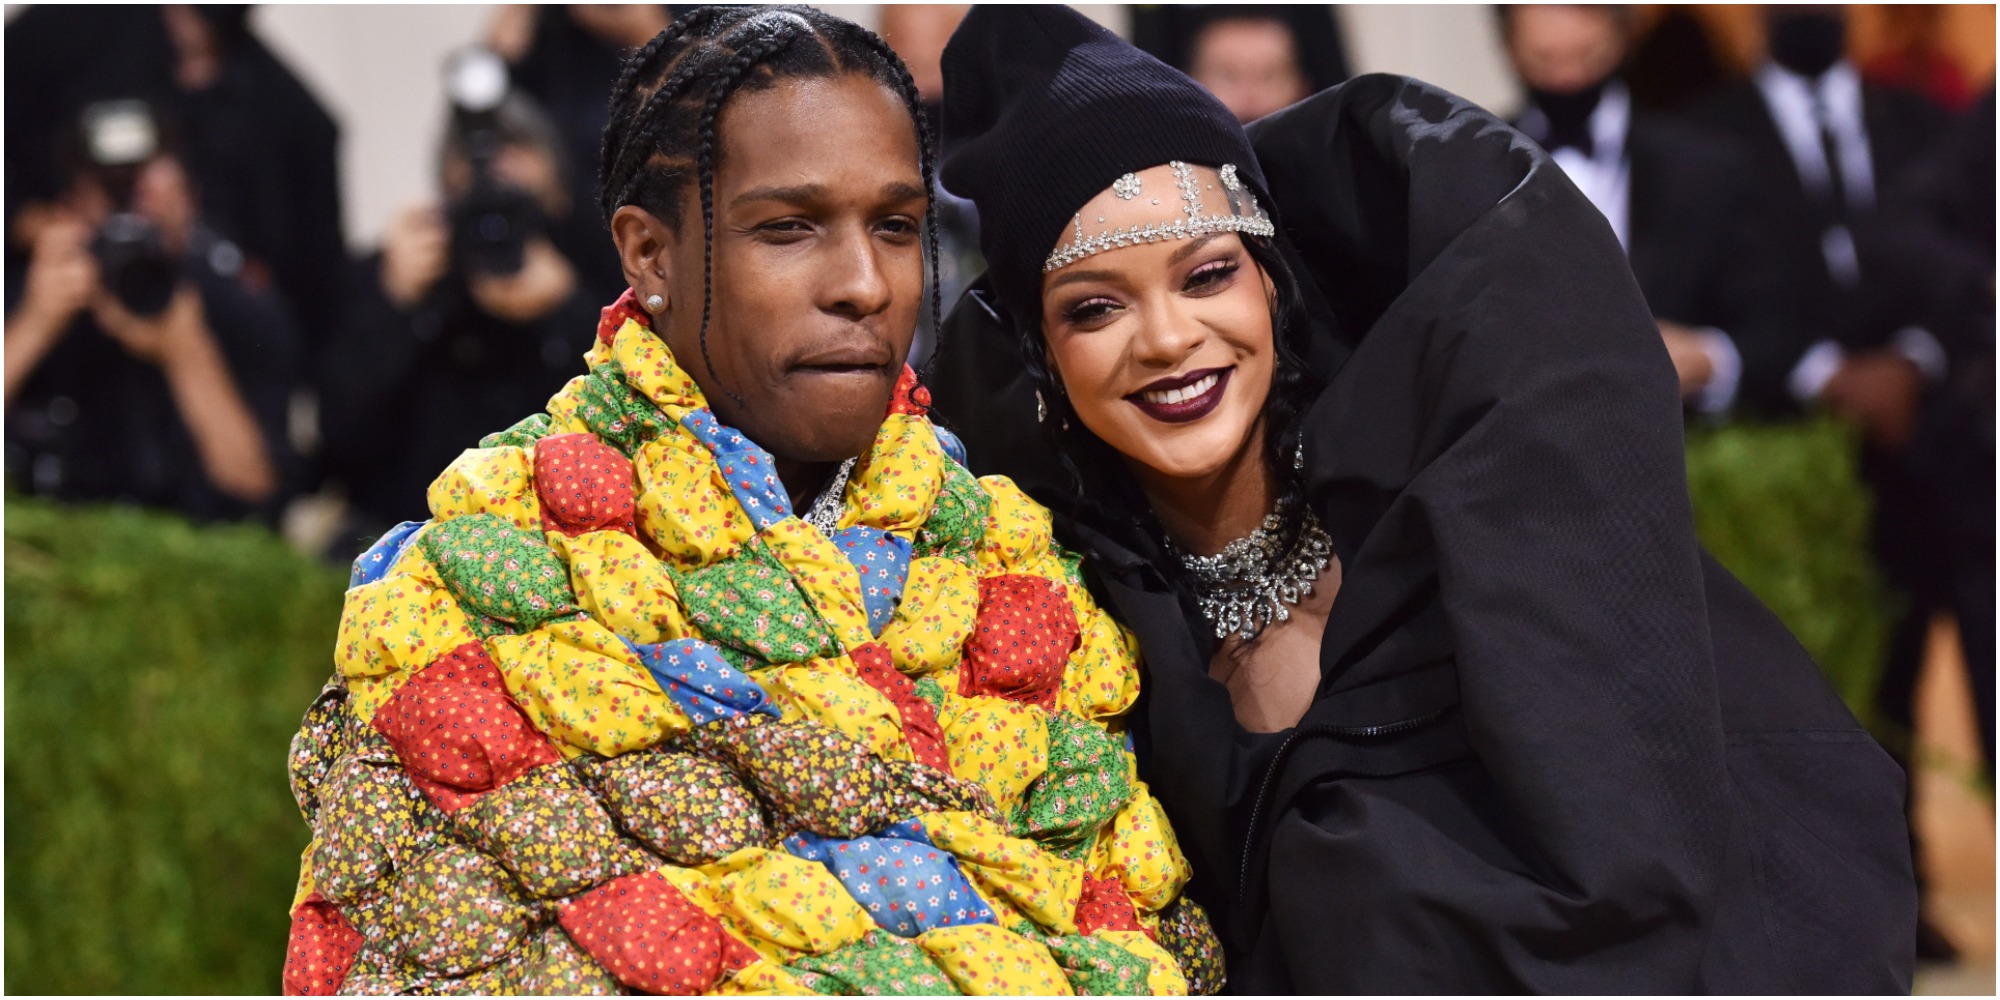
(467, 319)
(139, 368)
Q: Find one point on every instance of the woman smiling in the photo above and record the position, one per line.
(1369, 438)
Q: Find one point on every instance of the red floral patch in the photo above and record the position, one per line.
(322, 949)
(613, 316)
(1106, 906)
(584, 485)
(909, 397)
(1020, 641)
(651, 937)
(457, 732)
(920, 725)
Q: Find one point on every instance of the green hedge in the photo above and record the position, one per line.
(1783, 507)
(155, 675)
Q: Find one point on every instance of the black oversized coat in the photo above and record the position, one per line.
(1555, 746)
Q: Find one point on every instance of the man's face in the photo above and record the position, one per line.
(817, 267)
(1251, 65)
(1563, 49)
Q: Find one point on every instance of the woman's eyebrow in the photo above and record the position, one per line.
(1071, 277)
(1191, 249)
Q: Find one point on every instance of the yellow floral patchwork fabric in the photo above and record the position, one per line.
(617, 720)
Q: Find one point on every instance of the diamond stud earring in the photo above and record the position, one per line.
(654, 304)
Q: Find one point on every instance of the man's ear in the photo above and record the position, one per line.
(645, 251)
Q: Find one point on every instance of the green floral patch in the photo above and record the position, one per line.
(499, 571)
(1084, 786)
(1072, 564)
(749, 602)
(879, 965)
(524, 433)
(549, 833)
(957, 521)
(616, 412)
(742, 661)
(1096, 967)
(487, 628)
(932, 692)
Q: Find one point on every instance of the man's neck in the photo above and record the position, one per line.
(804, 480)
(1204, 514)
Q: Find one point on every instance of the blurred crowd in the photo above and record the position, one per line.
(187, 329)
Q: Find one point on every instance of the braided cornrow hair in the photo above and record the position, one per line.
(664, 107)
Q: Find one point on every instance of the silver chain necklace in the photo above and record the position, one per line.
(824, 513)
(1253, 581)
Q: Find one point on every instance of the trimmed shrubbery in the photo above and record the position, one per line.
(155, 674)
(1783, 507)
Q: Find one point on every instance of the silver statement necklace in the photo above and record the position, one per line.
(824, 513)
(1255, 579)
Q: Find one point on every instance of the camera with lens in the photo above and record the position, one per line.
(492, 222)
(119, 138)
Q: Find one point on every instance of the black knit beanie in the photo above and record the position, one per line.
(1044, 108)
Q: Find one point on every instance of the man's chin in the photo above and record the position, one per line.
(830, 431)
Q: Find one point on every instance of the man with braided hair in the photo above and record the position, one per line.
(723, 675)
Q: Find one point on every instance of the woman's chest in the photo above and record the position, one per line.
(1272, 679)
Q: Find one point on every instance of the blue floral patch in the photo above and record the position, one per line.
(905, 883)
(750, 471)
(374, 564)
(700, 682)
(884, 562)
(951, 444)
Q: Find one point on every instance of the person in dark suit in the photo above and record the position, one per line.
(1825, 148)
(1674, 194)
(1822, 143)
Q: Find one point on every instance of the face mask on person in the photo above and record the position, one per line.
(1808, 43)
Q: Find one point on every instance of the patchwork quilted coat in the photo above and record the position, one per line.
(616, 720)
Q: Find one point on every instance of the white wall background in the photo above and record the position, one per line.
(376, 68)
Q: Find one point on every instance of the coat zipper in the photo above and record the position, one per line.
(1277, 764)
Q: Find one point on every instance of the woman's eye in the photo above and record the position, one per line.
(1090, 310)
(1211, 274)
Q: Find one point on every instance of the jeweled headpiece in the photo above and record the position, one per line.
(1241, 214)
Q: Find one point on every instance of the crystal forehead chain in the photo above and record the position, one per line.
(1242, 215)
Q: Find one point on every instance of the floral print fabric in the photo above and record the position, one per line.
(616, 720)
